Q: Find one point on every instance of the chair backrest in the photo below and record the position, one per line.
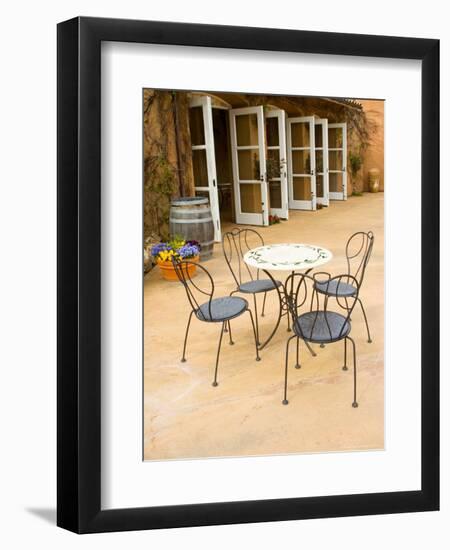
(301, 297)
(235, 244)
(358, 251)
(199, 286)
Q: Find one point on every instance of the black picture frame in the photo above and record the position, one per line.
(79, 281)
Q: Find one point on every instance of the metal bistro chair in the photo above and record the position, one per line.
(317, 324)
(357, 251)
(213, 310)
(235, 244)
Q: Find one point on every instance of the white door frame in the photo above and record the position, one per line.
(302, 204)
(282, 212)
(205, 103)
(249, 218)
(342, 195)
(325, 200)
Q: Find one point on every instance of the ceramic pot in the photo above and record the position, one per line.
(374, 180)
(168, 271)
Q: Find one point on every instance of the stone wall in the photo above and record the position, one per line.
(167, 157)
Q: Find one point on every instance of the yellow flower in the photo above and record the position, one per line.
(166, 255)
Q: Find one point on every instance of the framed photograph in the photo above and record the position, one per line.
(248, 275)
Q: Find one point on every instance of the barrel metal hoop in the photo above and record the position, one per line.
(189, 200)
(191, 211)
(196, 220)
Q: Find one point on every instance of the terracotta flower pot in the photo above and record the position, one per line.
(168, 271)
(374, 180)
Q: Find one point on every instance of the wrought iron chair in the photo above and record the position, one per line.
(213, 310)
(235, 244)
(357, 251)
(317, 324)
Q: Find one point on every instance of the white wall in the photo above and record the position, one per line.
(28, 273)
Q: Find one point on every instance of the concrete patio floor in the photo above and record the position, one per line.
(186, 417)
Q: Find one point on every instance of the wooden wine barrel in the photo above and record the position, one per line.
(191, 217)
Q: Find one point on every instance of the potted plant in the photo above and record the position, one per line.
(179, 249)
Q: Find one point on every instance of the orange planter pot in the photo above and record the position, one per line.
(168, 271)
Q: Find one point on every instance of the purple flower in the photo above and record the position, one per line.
(194, 243)
(188, 251)
(157, 248)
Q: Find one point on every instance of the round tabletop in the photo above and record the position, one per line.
(287, 256)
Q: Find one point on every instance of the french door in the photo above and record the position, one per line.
(337, 160)
(301, 163)
(248, 155)
(276, 163)
(203, 157)
(321, 149)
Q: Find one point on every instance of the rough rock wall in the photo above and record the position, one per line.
(167, 157)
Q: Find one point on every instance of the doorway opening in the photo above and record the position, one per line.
(224, 171)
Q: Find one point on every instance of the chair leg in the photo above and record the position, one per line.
(215, 383)
(345, 355)
(256, 319)
(285, 401)
(369, 339)
(229, 330)
(264, 304)
(183, 359)
(311, 351)
(355, 403)
(258, 358)
(226, 327)
(297, 363)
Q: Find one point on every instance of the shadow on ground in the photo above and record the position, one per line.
(46, 514)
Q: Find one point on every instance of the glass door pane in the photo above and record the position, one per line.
(321, 151)
(249, 165)
(276, 164)
(337, 160)
(273, 175)
(203, 157)
(301, 163)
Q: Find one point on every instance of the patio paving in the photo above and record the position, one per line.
(186, 417)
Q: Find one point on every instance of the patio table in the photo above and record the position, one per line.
(288, 257)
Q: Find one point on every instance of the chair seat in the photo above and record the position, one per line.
(259, 285)
(222, 309)
(328, 326)
(335, 288)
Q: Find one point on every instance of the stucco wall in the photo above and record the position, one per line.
(374, 155)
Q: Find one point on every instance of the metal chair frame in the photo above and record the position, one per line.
(358, 261)
(194, 292)
(296, 296)
(234, 245)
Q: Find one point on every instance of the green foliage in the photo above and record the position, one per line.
(355, 163)
(274, 167)
(177, 241)
(161, 177)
